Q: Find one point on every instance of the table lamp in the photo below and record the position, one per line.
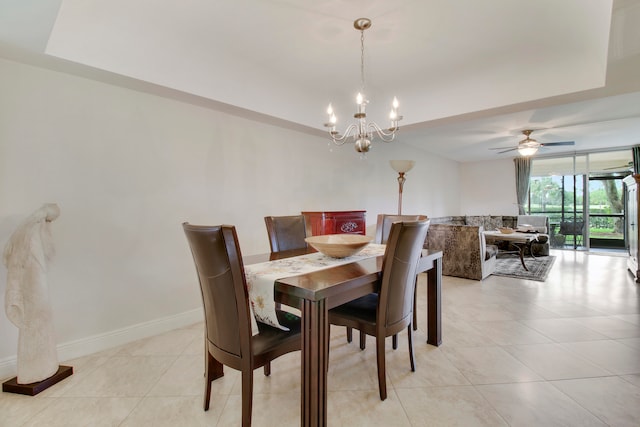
(402, 167)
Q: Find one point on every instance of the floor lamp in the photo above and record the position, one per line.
(402, 167)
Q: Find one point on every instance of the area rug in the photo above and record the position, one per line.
(511, 266)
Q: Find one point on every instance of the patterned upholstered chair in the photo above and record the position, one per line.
(465, 252)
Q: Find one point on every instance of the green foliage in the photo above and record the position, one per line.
(546, 196)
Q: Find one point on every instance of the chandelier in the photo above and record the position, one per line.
(361, 131)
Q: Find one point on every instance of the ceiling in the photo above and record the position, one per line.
(470, 75)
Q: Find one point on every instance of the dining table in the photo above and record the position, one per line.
(315, 293)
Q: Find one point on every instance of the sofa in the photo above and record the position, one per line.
(539, 223)
(465, 251)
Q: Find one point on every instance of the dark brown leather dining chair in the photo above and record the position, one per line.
(383, 225)
(228, 336)
(387, 312)
(287, 232)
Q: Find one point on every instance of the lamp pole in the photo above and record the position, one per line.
(401, 180)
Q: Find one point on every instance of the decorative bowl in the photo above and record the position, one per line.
(339, 245)
(506, 230)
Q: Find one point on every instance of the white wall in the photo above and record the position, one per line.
(127, 168)
(488, 188)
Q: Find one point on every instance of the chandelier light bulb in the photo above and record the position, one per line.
(395, 103)
(333, 119)
(359, 99)
(329, 110)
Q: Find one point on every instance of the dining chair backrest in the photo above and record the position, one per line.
(218, 261)
(228, 336)
(383, 226)
(404, 248)
(287, 232)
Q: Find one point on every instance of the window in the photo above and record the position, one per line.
(583, 197)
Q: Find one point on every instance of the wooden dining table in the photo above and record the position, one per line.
(315, 293)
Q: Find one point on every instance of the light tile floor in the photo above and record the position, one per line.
(515, 353)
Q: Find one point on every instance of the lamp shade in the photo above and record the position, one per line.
(402, 166)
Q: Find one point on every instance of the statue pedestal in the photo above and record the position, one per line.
(12, 386)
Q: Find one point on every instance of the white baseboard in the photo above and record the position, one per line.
(96, 343)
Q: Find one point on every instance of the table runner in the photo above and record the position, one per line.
(261, 278)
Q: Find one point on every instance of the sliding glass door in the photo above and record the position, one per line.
(606, 212)
(559, 186)
(583, 197)
(606, 199)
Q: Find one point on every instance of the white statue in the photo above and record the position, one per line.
(27, 304)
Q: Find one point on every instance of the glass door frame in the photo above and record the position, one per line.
(621, 217)
(574, 171)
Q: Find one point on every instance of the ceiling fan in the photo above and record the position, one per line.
(529, 146)
(628, 166)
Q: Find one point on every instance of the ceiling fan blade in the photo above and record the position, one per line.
(506, 151)
(615, 167)
(501, 148)
(549, 144)
(627, 166)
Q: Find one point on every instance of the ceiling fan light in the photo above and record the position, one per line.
(527, 151)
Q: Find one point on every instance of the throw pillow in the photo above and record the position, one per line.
(492, 222)
(474, 220)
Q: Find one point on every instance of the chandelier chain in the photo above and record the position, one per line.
(362, 60)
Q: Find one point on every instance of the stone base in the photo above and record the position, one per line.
(12, 386)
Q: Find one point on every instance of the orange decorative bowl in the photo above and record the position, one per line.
(339, 245)
(506, 230)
